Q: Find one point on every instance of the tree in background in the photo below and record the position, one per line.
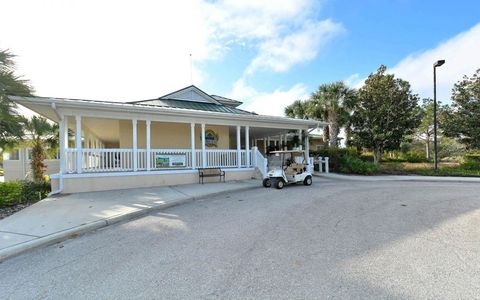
(462, 119)
(333, 102)
(298, 109)
(40, 135)
(386, 111)
(424, 132)
(11, 124)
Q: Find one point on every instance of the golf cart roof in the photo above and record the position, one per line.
(287, 151)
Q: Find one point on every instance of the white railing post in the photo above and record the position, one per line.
(327, 167)
(254, 156)
(265, 167)
(149, 150)
(239, 153)
(134, 144)
(78, 142)
(247, 146)
(192, 142)
(61, 129)
(204, 153)
(320, 164)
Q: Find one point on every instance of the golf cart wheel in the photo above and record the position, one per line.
(279, 184)
(267, 182)
(307, 180)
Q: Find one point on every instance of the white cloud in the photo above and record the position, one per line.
(253, 19)
(267, 103)
(462, 55)
(353, 80)
(128, 50)
(280, 54)
(109, 50)
(283, 32)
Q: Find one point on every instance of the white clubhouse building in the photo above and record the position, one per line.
(161, 141)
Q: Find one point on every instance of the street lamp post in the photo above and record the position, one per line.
(438, 63)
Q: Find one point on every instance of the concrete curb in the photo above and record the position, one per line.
(95, 225)
(379, 178)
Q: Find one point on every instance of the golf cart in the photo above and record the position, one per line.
(287, 167)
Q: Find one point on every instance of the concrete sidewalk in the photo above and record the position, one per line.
(397, 178)
(60, 217)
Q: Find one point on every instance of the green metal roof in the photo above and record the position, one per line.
(182, 104)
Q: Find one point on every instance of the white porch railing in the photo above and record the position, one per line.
(259, 161)
(121, 160)
(323, 165)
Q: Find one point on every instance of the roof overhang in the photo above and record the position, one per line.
(54, 108)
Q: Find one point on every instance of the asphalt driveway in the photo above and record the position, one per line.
(338, 239)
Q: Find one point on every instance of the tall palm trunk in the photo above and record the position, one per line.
(326, 134)
(347, 135)
(38, 166)
(334, 129)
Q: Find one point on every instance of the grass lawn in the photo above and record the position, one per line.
(444, 169)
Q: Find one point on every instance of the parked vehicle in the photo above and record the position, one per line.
(287, 167)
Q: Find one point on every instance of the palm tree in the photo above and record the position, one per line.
(11, 124)
(298, 109)
(40, 135)
(333, 102)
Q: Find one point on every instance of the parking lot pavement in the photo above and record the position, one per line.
(339, 239)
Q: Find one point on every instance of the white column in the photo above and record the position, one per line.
(65, 137)
(134, 144)
(148, 150)
(247, 146)
(204, 152)
(239, 154)
(307, 146)
(192, 143)
(78, 142)
(300, 139)
(264, 146)
(61, 129)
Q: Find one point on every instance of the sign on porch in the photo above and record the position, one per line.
(170, 160)
(211, 138)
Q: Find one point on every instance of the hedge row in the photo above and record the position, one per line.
(17, 192)
(346, 160)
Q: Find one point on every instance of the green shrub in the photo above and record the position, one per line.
(354, 165)
(472, 156)
(471, 161)
(10, 193)
(347, 160)
(34, 191)
(16, 192)
(335, 156)
(414, 157)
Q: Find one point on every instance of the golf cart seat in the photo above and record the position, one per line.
(297, 166)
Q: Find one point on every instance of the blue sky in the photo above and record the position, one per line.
(265, 53)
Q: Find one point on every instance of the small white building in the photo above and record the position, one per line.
(160, 141)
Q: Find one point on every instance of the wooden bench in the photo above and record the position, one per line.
(210, 172)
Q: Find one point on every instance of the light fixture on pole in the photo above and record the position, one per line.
(438, 63)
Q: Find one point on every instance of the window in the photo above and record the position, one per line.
(13, 155)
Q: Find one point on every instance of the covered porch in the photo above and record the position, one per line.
(111, 145)
(99, 145)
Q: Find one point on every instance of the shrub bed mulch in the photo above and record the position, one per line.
(11, 209)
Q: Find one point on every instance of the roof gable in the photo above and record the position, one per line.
(191, 93)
